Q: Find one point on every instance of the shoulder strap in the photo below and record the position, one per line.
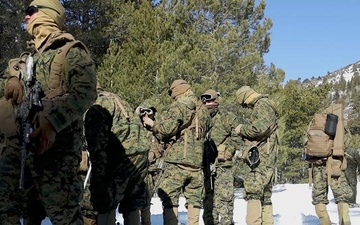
(57, 87)
(121, 106)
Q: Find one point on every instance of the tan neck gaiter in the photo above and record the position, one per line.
(40, 27)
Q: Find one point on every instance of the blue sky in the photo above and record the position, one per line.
(311, 37)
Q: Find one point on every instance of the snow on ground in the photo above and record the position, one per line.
(291, 204)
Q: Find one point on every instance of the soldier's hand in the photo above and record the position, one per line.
(238, 129)
(13, 90)
(45, 133)
(147, 121)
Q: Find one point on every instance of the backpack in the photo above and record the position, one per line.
(319, 144)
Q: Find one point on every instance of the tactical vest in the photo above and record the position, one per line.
(189, 146)
(57, 68)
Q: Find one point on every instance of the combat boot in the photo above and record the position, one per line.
(132, 218)
(267, 215)
(343, 211)
(193, 215)
(322, 213)
(253, 212)
(170, 216)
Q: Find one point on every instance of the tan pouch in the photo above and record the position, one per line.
(334, 166)
(8, 124)
(84, 161)
(223, 153)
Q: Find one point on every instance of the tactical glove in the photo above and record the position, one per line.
(13, 90)
(45, 134)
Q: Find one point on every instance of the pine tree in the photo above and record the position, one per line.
(214, 44)
(13, 35)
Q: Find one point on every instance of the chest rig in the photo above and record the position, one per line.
(62, 43)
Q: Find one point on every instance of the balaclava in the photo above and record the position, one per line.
(49, 19)
(213, 105)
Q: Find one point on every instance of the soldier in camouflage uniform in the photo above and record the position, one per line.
(330, 172)
(259, 132)
(352, 171)
(182, 128)
(155, 157)
(219, 200)
(68, 86)
(118, 149)
(24, 203)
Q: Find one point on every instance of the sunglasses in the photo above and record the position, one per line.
(31, 10)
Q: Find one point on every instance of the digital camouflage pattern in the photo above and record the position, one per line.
(156, 154)
(177, 126)
(87, 209)
(339, 186)
(25, 203)
(184, 151)
(55, 172)
(352, 171)
(118, 147)
(219, 202)
(258, 182)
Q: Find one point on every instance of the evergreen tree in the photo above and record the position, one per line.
(13, 35)
(210, 44)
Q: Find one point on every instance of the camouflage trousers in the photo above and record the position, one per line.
(219, 202)
(258, 184)
(352, 171)
(135, 195)
(339, 186)
(86, 206)
(175, 181)
(23, 203)
(51, 183)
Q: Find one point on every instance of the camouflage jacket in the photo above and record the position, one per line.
(78, 81)
(125, 125)
(177, 128)
(262, 123)
(222, 133)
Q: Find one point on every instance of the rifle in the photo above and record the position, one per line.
(160, 173)
(26, 112)
(209, 159)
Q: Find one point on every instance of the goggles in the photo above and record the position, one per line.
(146, 111)
(206, 97)
(31, 10)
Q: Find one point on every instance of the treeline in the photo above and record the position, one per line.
(141, 46)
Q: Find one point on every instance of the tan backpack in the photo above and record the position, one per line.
(319, 144)
(325, 134)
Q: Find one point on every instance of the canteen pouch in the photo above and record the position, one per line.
(223, 153)
(330, 125)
